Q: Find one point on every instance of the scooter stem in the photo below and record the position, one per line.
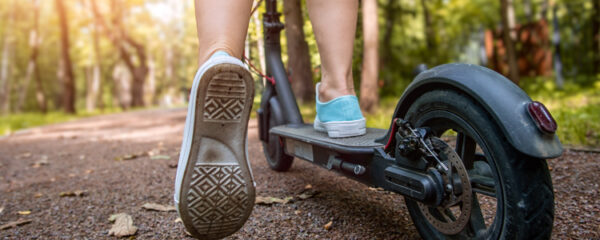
(275, 67)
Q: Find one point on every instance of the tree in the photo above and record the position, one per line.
(33, 70)
(507, 12)
(5, 62)
(369, 97)
(128, 47)
(299, 59)
(430, 37)
(260, 43)
(94, 86)
(65, 71)
(596, 36)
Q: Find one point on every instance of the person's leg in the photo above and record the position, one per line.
(214, 189)
(222, 25)
(334, 25)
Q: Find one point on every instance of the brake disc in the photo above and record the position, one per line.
(445, 217)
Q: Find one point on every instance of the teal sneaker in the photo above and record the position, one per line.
(340, 117)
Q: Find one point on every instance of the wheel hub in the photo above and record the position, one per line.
(453, 214)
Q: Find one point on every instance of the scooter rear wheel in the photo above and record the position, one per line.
(512, 193)
(273, 149)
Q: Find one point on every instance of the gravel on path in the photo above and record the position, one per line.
(73, 176)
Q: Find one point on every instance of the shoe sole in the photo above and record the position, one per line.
(341, 129)
(217, 190)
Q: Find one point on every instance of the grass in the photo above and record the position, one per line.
(15, 121)
(576, 109)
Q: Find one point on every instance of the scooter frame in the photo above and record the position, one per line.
(371, 164)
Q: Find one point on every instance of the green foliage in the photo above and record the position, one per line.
(576, 108)
(168, 27)
(14, 122)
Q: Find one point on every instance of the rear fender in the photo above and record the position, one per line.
(502, 99)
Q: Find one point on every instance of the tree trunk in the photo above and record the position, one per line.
(66, 65)
(121, 39)
(140, 71)
(170, 72)
(543, 13)
(5, 63)
(369, 97)
(527, 8)
(151, 89)
(430, 37)
(596, 36)
(94, 90)
(557, 59)
(509, 36)
(122, 85)
(260, 43)
(390, 15)
(32, 66)
(299, 66)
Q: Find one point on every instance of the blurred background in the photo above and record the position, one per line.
(66, 59)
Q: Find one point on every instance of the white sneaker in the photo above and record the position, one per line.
(214, 189)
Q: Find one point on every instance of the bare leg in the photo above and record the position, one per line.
(222, 25)
(334, 24)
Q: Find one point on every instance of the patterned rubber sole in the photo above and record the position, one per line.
(218, 192)
(225, 98)
(218, 199)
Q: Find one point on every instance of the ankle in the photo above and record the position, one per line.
(328, 93)
(204, 55)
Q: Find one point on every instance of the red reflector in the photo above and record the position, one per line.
(542, 118)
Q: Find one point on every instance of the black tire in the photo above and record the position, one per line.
(522, 184)
(273, 149)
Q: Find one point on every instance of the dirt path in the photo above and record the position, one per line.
(93, 154)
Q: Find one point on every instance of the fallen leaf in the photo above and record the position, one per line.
(126, 157)
(81, 157)
(37, 195)
(89, 171)
(297, 212)
(42, 162)
(76, 193)
(160, 157)
(123, 225)
(26, 212)
(307, 194)
(308, 186)
(328, 225)
(15, 223)
(1, 209)
(158, 207)
(272, 200)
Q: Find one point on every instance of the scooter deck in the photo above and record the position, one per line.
(306, 133)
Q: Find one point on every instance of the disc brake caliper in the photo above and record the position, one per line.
(452, 213)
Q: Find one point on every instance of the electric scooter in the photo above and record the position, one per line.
(497, 161)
